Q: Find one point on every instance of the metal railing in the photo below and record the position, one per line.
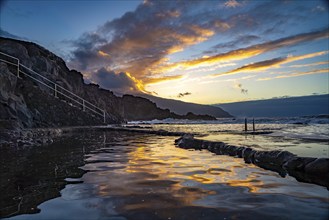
(58, 91)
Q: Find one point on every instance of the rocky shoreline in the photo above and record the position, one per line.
(304, 169)
(29, 137)
(45, 136)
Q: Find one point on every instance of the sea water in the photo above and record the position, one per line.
(124, 175)
(306, 136)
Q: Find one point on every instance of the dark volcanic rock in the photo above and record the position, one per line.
(30, 104)
(304, 169)
(320, 165)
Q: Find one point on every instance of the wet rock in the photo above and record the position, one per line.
(239, 151)
(276, 158)
(318, 166)
(231, 150)
(210, 146)
(248, 155)
(298, 163)
(304, 169)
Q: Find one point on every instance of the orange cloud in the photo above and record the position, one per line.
(296, 74)
(274, 63)
(304, 73)
(310, 64)
(251, 51)
(161, 79)
(232, 4)
(103, 54)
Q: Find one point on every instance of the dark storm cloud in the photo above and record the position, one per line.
(119, 82)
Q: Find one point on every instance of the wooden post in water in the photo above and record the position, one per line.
(253, 125)
(245, 125)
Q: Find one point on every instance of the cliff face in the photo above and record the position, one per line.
(26, 103)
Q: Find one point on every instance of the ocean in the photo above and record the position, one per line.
(125, 175)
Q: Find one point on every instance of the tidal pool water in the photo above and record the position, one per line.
(122, 175)
(305, 140)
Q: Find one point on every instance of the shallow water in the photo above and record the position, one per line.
(138, 176)
(307, 140)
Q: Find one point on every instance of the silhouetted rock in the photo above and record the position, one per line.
(138, 108)
(25, 103)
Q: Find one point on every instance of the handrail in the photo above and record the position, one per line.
(56, 88)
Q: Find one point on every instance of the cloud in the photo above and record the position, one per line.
(319, 8)
(254, 50)
(241, 40)
(181, 95)
(295, 74)
(121, 82)
(304, 73)
(155, 80)
(276, 62)
(240, 87)
(141, 41)
(232, 4)
(310, 64)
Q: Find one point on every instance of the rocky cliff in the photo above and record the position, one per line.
(26, 103)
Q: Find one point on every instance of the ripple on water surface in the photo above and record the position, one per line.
(147, 177)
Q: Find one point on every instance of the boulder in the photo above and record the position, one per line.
(318, 166)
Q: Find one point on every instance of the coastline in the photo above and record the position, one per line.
(304, 169)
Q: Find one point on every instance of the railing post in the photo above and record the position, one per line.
(104, 116)
(83, 105)
(18, 68)
(56, 90)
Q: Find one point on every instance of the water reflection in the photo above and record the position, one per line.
(33, 175)
(133, 176)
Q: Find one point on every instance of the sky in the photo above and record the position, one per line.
(204, 52)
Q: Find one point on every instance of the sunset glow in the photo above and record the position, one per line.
(203, 48)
